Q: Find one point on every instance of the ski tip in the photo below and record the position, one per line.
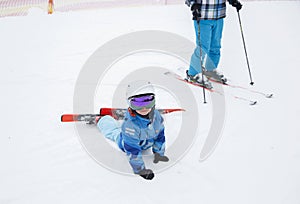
(178, 109)
(170, 110)
(252, 103)
(67, 117)
(269, 95)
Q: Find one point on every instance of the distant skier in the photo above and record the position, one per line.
(142, 128)
(209, 14)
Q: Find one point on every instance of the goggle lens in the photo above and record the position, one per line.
(140, 102)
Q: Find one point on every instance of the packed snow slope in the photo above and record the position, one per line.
(257, 159)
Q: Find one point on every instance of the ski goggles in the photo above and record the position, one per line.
(143, 101)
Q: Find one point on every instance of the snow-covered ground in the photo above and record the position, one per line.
(257, 159)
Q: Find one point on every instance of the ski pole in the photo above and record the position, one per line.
(204, 97)
(251, 81)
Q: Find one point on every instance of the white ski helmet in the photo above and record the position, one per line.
(141, 87)
(140, 94)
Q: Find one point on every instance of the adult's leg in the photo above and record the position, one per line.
(205, 41)
(215, 47)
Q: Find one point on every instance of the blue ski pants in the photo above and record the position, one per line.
(110, 128)
(210, 42)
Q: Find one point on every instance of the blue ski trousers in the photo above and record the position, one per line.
(210, 42)
(110, 128)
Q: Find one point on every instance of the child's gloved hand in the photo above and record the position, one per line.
(158, 157)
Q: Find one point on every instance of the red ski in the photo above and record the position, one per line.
(117, 113)
(180, 78)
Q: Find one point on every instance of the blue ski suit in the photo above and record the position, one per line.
(135, 135)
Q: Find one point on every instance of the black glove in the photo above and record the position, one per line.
(236, 4)
(189, 3)
(146, 174)
(196, 11)
(158, 158)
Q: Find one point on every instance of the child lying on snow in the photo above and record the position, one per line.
(142, 128)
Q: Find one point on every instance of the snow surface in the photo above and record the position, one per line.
(42, 160)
